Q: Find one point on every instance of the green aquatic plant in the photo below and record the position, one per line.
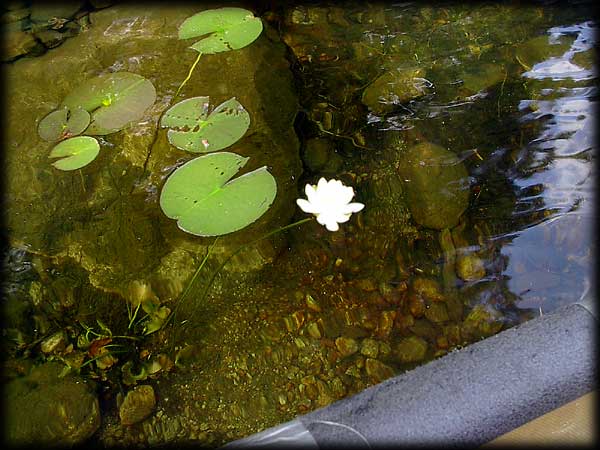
(194, 129)
(200, 195)
(204, 199)
(63, 123)
(75, 152)
(114, 100)
(132, 373)
(224, 29)
(102, 105)
(221, 29)
(98, 345)
(155, 316)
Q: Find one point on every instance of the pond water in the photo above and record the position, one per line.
(465, 130)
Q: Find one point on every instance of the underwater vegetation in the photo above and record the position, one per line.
(200, 194)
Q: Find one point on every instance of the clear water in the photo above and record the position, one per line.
(316, 316)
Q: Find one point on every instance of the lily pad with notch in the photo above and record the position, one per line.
(195, 130)
(63, 123)
(75, 152)
(114, 100)
(204, 199)
(226, 29)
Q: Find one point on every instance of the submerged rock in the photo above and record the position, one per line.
(48, 409)
(138, 404)
(370, 348)
(377, 370)
(585, 59)
(428, 288)
(483, 321)
(55, 343)
(481, 76)
(346, 346)
(539, 49)
(470, 267)
(16, 43)
(50, 38)
(436, 184)
(411, 349)
(316, 153)
(13, 14)
(42, 12)
(437, 312)
(393, 88)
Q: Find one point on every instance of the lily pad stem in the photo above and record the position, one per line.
(82, 182)
(240, 248)
(191, 283)
(189, 286)
(216, 272)
(189, 75)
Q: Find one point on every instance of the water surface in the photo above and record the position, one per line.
(493, 124)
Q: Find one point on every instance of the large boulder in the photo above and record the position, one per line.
(106, 216)
(436, 184)
(395, 87)
(48, 408)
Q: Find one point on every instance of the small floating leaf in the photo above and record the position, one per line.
(76, 152)
(63, 123)
(205, 200)
(229, 28)
(199, 132)
(114, 100)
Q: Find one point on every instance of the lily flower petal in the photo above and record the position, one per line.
(306, 206)
(311, 192)
(354, 207)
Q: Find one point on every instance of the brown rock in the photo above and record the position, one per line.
(436, 183)
(138, 404)
(482, 321)
(428, 288)
(377, 370)
(386, 321)
(470, 268)
(17, 43)
(424, 328)
(325, 395)
(392, 89)
(346, 346)
(416, 305)
(55, 343)
(369, 348)
(411, 349)
(47, 408)
(50, 38)
(404, 322)
(314, 330)
(437, 312)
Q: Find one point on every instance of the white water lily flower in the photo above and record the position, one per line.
(330, 202)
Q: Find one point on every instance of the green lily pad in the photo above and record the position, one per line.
(114, 100)
(194, 130)
(227, 29)
(63, 123)
(75, 152)
(206, 201)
